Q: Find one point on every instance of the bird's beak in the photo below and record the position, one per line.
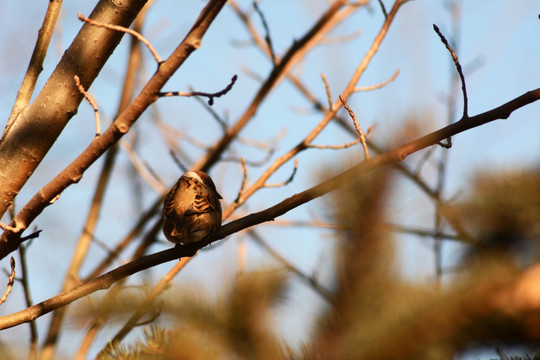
(219, 196)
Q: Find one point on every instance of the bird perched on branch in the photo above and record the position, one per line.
(191, 211)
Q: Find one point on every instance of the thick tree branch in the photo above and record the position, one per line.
(398, 154)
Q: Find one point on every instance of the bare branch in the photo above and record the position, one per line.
(222, 122)
(289, 180)
(383, 8)
(28, 301)
(72, 277)
(447, 144)
(328, 93)
(123, 29)
(92, 103)
(335, 147)
(378, 86)
(267, 37)
(177, 161)
(253, 163)
(423, 232)
(356, 125)
(10, 282)
(210, 96)
(458, 68)
(36, 61)
(143, 169)
(257, 39)
(244, 180)
(391, 157)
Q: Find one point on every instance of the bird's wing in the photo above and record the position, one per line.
(202, 204)
(168, 204)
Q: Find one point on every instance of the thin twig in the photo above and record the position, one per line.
(446, 145)
(143, 169)
(92, 103)
(210, 96)
(328, 93)
(257, 39)
(289, 180)
(28, 301)
(244, 180)
(459, 70)
(342, 39)
(267, 37)
(383, 8)
(356, 125)
(89, 338)
(422, 232)
(141, 38)
(302, 223)
(177, 161)
(10, 282)
(377, 86)
(254, 163)
(222, 122)
(335, 147)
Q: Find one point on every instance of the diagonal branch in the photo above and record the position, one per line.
(36, 61)
(396, 155)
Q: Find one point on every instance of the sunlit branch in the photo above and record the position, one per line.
(356, 126)
(141, 38)
(378, 86)
(10, 281)
(92, 103)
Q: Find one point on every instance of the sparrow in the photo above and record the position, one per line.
(191, 210)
